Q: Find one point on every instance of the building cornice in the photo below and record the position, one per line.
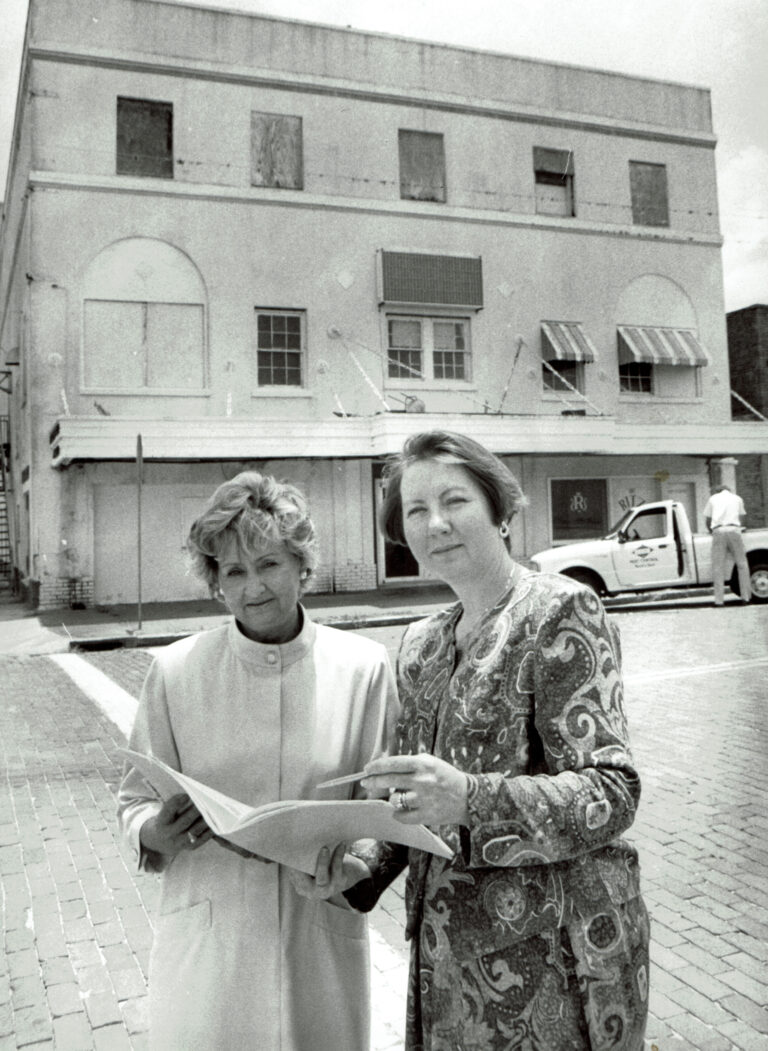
(340, 88)
(101, 439)
(262, 196)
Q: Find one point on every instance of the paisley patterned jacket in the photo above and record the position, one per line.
(537, 692)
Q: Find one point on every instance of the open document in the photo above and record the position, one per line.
(290, 831)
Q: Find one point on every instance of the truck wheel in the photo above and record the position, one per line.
(758, 576)
(583, 576)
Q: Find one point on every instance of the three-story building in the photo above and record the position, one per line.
(260, 242)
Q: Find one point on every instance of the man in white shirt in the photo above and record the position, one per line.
(725, 516)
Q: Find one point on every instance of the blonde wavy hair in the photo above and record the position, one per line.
(254, 509)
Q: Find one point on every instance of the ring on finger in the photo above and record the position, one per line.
(400, 802)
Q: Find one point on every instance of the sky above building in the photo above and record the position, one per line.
(717, 44)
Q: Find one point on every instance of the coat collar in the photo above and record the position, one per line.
(273, 654)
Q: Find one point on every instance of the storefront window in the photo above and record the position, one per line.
(579, 509)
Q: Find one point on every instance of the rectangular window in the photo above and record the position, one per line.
(648, 187)
(579, 509)
(422, 166)
(428, 348)
(277, 151)
(405, 350)
(554, 378)
(636, 377)
(449, 357)
(139, 346)
(553, 172)
(279, 348)
(144, 138)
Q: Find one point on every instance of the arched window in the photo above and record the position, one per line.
(659, 350)
(144, 320)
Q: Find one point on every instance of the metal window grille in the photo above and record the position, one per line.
(431, 280)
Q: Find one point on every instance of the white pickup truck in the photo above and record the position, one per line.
(653, 548)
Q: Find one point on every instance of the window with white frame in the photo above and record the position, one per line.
(562, 376)
(636, 377)
(431, 348)
(280, 345)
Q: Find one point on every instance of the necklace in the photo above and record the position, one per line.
(466, 626)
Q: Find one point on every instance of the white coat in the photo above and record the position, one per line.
(239, 960)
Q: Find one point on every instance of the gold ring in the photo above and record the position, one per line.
(401, 803)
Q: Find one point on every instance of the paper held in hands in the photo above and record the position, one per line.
(290, 831)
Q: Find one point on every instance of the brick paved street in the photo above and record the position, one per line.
(76, 920)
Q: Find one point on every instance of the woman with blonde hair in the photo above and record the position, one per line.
(263, 708)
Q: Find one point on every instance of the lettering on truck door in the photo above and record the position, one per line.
(648, 557)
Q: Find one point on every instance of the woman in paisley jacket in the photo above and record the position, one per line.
(512, 742)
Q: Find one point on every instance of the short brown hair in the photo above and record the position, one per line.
(253, 508)
(501, 488)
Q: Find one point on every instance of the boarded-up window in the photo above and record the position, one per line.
(422, 166)
(276, 151)
(279, 348)
(144, 138)
(553, 172)
(648, 186)
(140, 346)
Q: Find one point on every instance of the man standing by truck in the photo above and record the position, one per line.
(725, 516)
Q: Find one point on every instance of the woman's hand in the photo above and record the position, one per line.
(423, 789)
(335, 873)
(177, 826)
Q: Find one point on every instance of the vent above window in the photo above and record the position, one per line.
(415, 279)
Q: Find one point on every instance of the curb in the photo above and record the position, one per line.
(356, 622)
(136, 639)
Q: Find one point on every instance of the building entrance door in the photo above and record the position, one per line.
(393, 562)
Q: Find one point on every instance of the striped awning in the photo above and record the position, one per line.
(661, 346)
(566, 341)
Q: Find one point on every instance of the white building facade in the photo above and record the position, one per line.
(262, 243)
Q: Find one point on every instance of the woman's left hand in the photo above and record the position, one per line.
(424, 790)
(335, 873)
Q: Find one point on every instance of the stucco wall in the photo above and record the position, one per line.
(249, 42)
